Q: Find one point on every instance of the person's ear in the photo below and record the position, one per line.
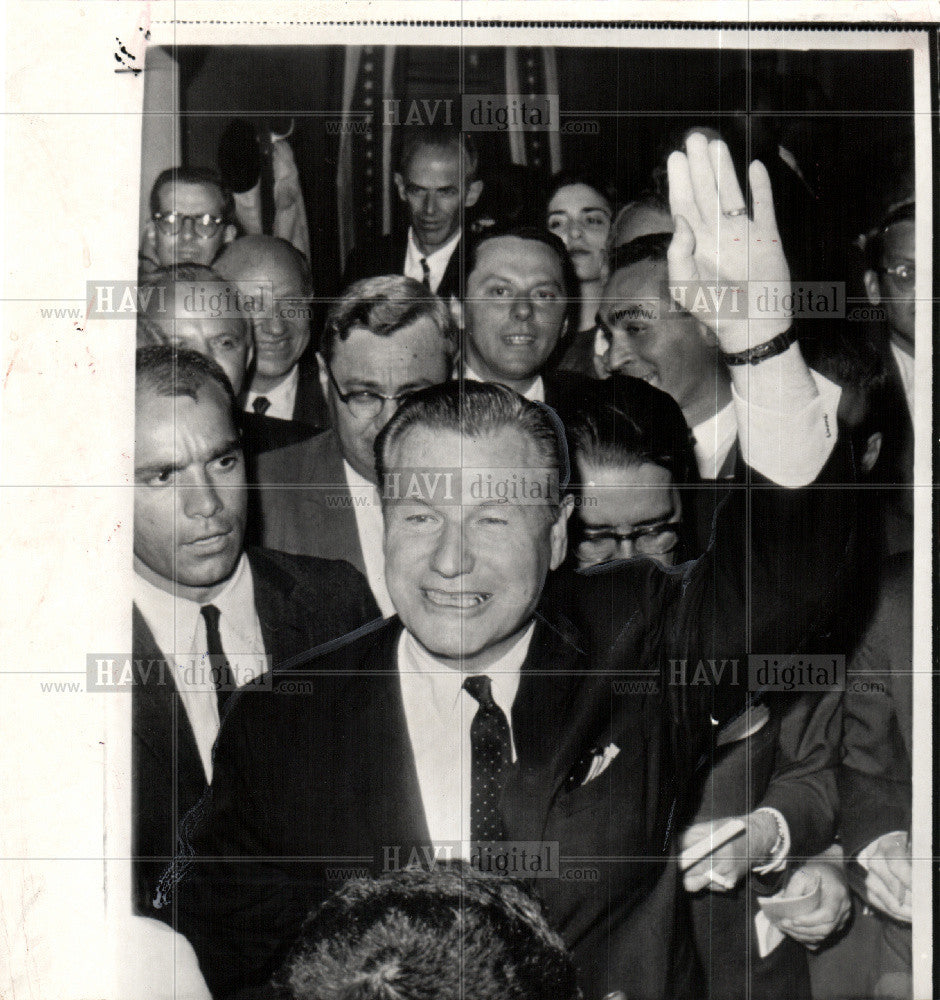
(400, 184)
(559, 531)
(229, 234)
(872, 451)
(872, 287)
(474, 190)
(324, 377)
(456, 310)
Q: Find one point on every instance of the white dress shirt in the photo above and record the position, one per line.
(714, 439)
(437, 261)
(905, 364)
(180, 633)
(282, 397)
(439, 714)
(535, 392)
(367, 507)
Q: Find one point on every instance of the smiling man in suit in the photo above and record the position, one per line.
(208, 617)
(385, 338)
(496, 709)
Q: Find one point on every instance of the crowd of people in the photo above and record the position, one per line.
(475, 568)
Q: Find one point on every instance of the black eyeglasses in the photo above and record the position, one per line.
(172, 223)
(601, 545)
(363, 403)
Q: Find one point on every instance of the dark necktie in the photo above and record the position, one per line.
(426, 271)
(221, 671)
(261, 405)
(490, 756)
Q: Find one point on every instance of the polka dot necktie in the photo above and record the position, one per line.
(426, 271)
(218, 661)
(261, 405)
(491, 750)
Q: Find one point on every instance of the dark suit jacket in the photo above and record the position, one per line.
(308, 785)
(303, 503)
(301, 603)
(386, 255)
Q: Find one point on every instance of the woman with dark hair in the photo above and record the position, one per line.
(579, 209)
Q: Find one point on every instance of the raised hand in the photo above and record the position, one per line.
(718, 245)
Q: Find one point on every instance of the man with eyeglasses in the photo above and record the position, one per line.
(192, 216)
(385, 338)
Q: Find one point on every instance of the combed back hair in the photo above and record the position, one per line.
(537, 234)
(650, 201)
(475, 410)
(440, 137)
(873, 242)
(168, 371)
(651, 247)
(157, 309)
(194, 175)
(384, 305)
(582, 175)
(854, 361)
(419, 935)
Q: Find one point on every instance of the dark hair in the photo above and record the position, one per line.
(170, 371)
(651, 247)
(578, 175)
(873, 242)
(538, 234)
(474, 410)
(440, 137)
(194, 175)
(615, 433)
(383, 305)
(412, 935)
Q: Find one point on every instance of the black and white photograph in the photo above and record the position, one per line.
(501, 505)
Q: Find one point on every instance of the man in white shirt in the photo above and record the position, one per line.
(209, 618)
(386, 338)
(474, 524)
(436, 182)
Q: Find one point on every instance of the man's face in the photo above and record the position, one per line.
(637, 499)
(651, 338)
(894, 292)
(433, 187)
(407, 360)
(187, 246)
(226, 340)
(515, 308)
(281, 336)
(580, 217)
(465, 574)
(189, 495)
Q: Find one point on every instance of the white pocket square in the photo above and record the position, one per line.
(601, 761)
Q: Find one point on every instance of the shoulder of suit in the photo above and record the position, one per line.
(312, 572)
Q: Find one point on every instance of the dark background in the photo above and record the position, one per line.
(848, 116)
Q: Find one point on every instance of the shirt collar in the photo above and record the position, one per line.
(535, 392)
(282, 396)
(443, 252)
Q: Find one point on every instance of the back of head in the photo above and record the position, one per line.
(647, 214)
(447, 934)
(383, 305)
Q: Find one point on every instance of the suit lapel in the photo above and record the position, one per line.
(339, 520)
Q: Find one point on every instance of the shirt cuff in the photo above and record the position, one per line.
(781, 850)
(864, 855)
(769, 436)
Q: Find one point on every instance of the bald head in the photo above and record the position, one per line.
(277, 274)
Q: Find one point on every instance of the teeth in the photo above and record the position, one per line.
(463, 601)
(521, 339)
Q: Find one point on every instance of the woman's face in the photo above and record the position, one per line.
(581, 216)
(626, 511)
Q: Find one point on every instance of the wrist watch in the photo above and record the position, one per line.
(769, 349)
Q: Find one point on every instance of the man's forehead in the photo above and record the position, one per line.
(419, 343)
(162, 418)
(518, 256)
(441, 157)
(175, 194)
(899, 238)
